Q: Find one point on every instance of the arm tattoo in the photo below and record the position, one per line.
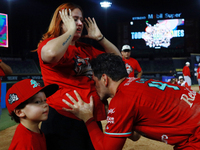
(67, 40)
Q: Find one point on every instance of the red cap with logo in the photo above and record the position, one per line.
(25, 89)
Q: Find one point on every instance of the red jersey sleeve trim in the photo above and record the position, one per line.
(120, 134)
(101, 141)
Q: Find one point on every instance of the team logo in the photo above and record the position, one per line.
(34, 83)
(12, 98)
(111, 111)
(129, 69)
(83, 67)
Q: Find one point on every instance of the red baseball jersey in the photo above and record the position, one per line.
(72, 72)
(25, 139)
(198, 72)
(186, 71)
(132, 65)
(155, 109)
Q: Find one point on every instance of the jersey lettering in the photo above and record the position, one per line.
(130, 79)
(161, 85)
(189, 98)
(142, 80)
(164, 138)
(110, 120)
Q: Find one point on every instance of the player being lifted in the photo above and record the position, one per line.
(155, 109)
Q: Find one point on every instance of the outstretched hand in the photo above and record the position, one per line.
(80, 109)
(92, 29)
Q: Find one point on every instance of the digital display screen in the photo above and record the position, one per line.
(3, 30)
(157, 34)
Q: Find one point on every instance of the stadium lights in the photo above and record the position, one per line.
(131, 23)
(105, 4)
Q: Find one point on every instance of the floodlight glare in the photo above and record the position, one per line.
(105, 4)
(131, 23)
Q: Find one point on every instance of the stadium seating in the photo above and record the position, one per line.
(20, 66)
(158, 65)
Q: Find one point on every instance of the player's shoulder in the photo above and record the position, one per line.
(132, 59)
(129, 85)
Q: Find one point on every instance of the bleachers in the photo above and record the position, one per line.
(20, 66)
(28, 66)
(158, 65)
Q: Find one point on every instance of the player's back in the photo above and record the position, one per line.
(162, 108)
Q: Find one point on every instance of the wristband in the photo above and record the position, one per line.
(0, 60)
(100, 39)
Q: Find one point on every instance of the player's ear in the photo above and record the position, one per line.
(19, 112)
(105, 79)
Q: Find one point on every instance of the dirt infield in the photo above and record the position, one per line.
(142, 144)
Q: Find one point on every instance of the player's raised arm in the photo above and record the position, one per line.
(54, 50)
(95, 34)
(84, 111)
(6, 68)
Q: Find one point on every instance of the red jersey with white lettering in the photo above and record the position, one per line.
(25, 139)
(72, 72)
(155, 109)
(132, 65)
(186, 71)
(198, 72)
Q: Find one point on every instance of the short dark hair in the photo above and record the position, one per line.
(21, 106)
(109, 64)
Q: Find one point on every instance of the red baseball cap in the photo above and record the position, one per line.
(25, 89)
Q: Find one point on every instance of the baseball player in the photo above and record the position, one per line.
(155, 109)
(131, 63)
(181, 82)
(26, 104)
(186, 73)
(198, 75)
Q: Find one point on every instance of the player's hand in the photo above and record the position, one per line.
(92, 29)
(80, 109)
(68, 20)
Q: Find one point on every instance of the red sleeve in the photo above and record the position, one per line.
(102, 141)
(2, 72)
(41, 45)
(138, 68)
